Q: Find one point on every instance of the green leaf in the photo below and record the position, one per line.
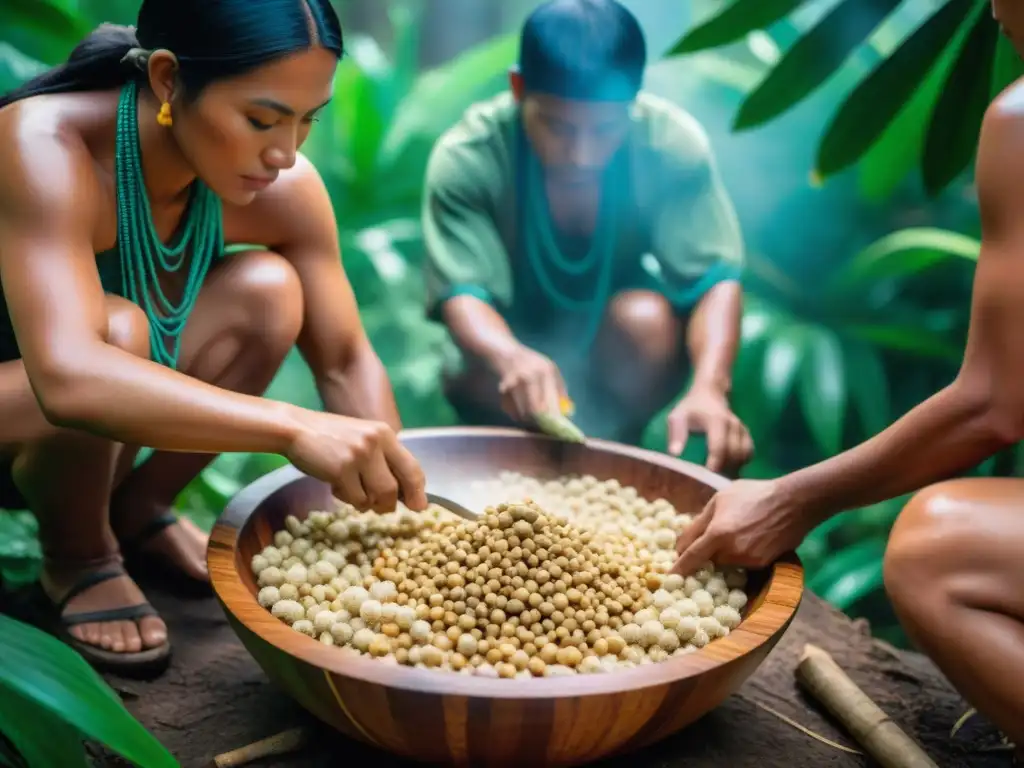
(440, 96)
(907, 338)
(823, 389)
(405, 26)
(844, 561)
(956, 122)
(740, 18)
(1007, 66)
(41, 672)
(58, 18)
(890, 159)
(873, 104)
(747, 396)
(43, 29)
(359, 119)
(813, 59)
(856, 584)
(782, 360)
(904, 254)
(869, 387)
(41, 737)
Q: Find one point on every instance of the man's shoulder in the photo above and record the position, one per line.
(484, 123)
(667, 129)
(479, 142)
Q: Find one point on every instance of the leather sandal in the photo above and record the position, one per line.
(50, 616)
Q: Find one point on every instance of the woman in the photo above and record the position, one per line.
(186, 133)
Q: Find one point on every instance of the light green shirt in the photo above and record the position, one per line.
(678, 233)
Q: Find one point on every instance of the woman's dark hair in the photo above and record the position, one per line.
(583, 49)
(212, 40)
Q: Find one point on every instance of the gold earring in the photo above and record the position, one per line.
(164, 116)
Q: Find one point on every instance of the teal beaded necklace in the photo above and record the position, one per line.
(142, 253)
(544, 254)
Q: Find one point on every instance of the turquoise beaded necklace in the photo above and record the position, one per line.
(142, 253)
(544, 254)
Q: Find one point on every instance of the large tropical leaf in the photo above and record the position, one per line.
(930, 91)
(439, 97)
(42, 29)
(813, 59)
(782, 360)
(874, 103)
(52, 699)
(1007, 66)
(823, 392)
(905, 254)
(869, 387)
(956, 121)
(734, 22)
(898, 150)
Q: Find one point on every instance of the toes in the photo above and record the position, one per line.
(110, 636)
(132, 643)
(153, 631)
(89, 633)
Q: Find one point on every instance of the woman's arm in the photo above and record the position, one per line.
(295, 218)
(56, 301)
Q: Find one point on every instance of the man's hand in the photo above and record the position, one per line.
(747, 524)
(529, 383)
(702, 410)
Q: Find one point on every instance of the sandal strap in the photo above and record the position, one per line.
(149, 530)
(127, 613)
(87, 582)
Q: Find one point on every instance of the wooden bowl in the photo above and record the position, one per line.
(443, 717)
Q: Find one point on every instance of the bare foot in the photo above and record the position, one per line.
(183, 545)
(118, 636)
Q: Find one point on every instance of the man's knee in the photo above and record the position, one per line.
(646, 323)
(270, 292)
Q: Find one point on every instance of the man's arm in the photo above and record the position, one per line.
(713, 336)
(297, 218)
(467, 268)
(982, 411)
(699, 248)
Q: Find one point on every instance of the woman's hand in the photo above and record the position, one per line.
(364, 462)
(529, 383)
(749, 523)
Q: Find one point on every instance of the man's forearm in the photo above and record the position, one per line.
(360, 388)
(477, 328)
(713, 336)
(950, 432)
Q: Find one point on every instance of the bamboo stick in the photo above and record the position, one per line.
(881, 738)
(272, 746)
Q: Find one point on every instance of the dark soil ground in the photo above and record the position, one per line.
(215, 698)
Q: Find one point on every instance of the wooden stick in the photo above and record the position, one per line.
(819, 674)
(279, 744)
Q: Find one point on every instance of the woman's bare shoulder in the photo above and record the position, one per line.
(49, 169)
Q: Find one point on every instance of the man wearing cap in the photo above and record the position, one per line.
(581, 248)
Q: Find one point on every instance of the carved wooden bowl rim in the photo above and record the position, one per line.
(769, 618)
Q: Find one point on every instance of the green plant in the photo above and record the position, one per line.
(827, 348)
(51, 701)
(922, 103)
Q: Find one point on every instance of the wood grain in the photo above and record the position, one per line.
(439, 717)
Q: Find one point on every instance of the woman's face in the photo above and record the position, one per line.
(241, 133)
